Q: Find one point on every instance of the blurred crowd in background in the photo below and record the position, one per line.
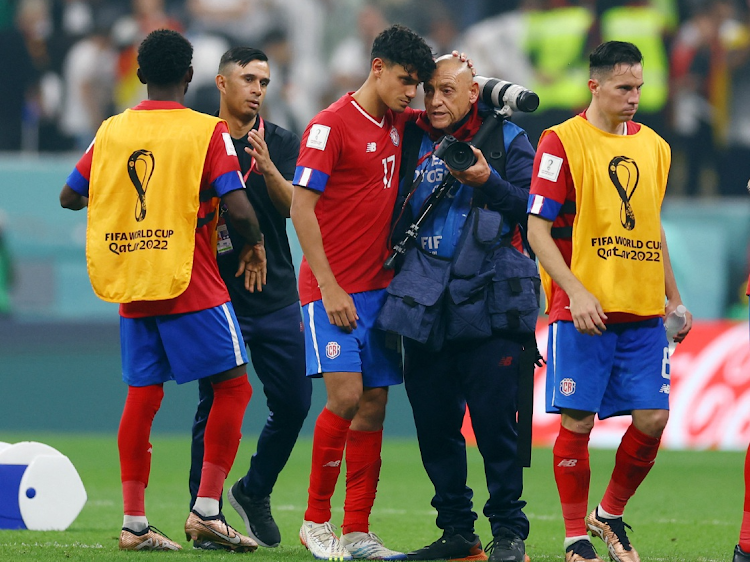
(68, 64)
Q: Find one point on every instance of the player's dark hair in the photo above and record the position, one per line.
(400, 45)
(241, 56)
(608, 55)
(164, 57)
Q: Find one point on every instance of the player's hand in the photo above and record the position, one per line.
(254, 266)
(588, 315)
(257, 139)
(339, 307)
(679, 336)
(464, 58)
(478, 174)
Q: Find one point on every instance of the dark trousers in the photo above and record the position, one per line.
(440, 385)
(277, 350)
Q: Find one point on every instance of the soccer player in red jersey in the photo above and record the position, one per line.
(152, 180)
(346, 184)
(608, 350)
(742, 550)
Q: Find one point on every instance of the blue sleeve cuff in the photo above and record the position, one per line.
(492, 187)
(310, 178)
(230, 181)
(543, 207)
(78, 183)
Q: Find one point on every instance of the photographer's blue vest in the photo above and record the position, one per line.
(440, 232)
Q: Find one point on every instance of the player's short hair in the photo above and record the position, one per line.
(241, 56)
(608, 55)
(164, 57)
(400, 45)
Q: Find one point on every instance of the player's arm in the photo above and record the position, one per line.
(279, 188)
(243, 217)
(223, 169)
(585, 309)
(69, 199)
(672, 293)
(337, 302)
(74, 194)
(252, 257)
(588, 315)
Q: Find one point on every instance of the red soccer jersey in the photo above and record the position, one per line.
(221, 170)
(553, 197)
(352, 160)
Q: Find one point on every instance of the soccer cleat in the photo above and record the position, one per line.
(450, 547)
(581, 551)
(506, 546)
(368, 546)
(215, 529)
(612, 532)
(740, 555)
(149, 538)
(256, 513)
(322, 542)
(210, 545)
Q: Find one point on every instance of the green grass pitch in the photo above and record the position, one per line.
(688, 509)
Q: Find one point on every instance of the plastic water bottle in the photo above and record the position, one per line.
(673, 323)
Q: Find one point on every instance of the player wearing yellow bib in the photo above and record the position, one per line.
(152, 180)
(594, 223)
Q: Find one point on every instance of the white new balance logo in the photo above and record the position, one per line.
(333, 464)
(372, 146)
(568, 462)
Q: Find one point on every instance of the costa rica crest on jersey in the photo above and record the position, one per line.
(395, 138)
(333, 350)
(567, 386)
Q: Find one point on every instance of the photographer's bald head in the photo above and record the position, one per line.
(450, 93)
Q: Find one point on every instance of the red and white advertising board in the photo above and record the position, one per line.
(709, 397)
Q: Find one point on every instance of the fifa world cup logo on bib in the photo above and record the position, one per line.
(140, 170)
(624, 174)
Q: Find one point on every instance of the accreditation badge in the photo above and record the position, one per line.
(223, 242)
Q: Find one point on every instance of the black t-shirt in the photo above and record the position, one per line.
(281, 284)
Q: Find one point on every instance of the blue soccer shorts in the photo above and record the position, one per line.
(180, 347)
(624, 369)
(367, 350)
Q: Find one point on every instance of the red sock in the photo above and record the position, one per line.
(138, 414)
(745, 528)
(572, 475)
(223, 433)
(633, 461)
(362, 474)
(329, 440)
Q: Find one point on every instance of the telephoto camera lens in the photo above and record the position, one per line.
(500, 93)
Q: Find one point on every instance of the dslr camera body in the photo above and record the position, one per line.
(456, 154)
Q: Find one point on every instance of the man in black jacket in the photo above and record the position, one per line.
(268, 314)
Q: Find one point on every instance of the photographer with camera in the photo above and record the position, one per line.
(478, 369)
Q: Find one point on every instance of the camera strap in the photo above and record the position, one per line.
(494, 151)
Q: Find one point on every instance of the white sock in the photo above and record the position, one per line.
(207, 507)
(135, 523)
(605, 514)
(570, 540)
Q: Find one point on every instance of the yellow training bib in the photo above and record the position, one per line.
(620, 182)
(143, 203)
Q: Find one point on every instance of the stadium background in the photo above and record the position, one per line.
(59, 355)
